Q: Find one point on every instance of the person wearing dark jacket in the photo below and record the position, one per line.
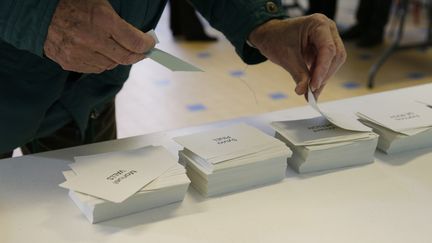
(62, 62)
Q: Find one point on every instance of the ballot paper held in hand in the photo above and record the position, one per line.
(118, 175)
(344, 121)
(168, 60)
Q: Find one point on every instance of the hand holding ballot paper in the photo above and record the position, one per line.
(344, 121)
(167, 60)
(331, 141)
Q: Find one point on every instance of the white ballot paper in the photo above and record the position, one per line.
(169, 61)
(116, 176)
(313, 131)
(227, 143)
(344, 121)
(407, 118)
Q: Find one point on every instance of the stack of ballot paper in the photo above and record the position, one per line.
(401, 127)
(232, 158)
(319, 145)
(115, 184)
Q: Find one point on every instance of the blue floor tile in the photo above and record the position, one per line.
(415, 75)
(237, 73)
(278, 96)
(204, 54)
(196, 107)
(365, 56)
(351, 85)
(162, 82)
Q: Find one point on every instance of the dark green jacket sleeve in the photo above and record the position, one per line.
(237, 18)
(24, 23)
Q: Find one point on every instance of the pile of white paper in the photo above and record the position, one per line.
(319, 145)
(115, 184)
(232, 158)
(401, 126)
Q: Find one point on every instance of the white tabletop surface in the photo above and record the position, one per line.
(387, 201)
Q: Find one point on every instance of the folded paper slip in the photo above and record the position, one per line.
(341, 120)
(232, 158)
(168, 187)
(169, 61)
(227, 143)
(407, 118)
(319, 145)
(118, 175)
(401, 127)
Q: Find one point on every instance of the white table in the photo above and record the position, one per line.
(387, 201)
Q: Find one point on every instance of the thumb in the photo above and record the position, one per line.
(132, 38)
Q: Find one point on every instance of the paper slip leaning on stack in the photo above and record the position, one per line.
(401, 126)
(232, 158)
(116, 184)
(341, 120)
(319, 145)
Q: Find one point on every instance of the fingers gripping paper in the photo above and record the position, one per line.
(169, 61)
(343, 121)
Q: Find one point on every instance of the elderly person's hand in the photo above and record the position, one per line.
(309, 48)
(88, 36)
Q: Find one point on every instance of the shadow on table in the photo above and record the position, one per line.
(294, 175)
(399, 159)
(146, 217)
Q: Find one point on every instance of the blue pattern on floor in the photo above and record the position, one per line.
(204, 54)
(365, 56)
(351, 85)
(196, 107)
(237, 73)
(162, 82)
(278, 96)
(416, 75)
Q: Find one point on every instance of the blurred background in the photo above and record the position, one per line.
(156, 99)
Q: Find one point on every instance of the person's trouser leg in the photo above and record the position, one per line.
(326, 7)
(175, 18)
(373, 17)
(364, 11)
(191, 24)
(381, 12)
(100, 128)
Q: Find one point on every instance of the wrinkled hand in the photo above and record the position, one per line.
(309, 48)
(88, 36)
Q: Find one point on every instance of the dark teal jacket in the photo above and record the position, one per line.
(36, 97)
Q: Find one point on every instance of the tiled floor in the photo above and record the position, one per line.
(155, 99)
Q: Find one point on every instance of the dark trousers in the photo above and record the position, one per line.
(370, 13)
(373, 14)
(184, 20)
(99, 129)
(326, 7)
